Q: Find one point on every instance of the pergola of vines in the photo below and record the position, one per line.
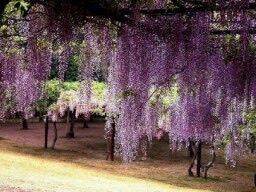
(206, 48)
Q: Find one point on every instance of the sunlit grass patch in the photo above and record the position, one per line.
(31, 173)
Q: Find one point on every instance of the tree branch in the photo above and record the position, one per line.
(180, 9)
(228, 32)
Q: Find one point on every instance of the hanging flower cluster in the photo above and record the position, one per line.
(69, 101)
(141, 62)
(96, 50)
(215, 76)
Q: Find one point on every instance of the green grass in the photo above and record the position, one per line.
(32, 173)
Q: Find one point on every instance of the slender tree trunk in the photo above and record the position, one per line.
(40, 118)
(190, 149)
(55, 135)
(85, 122)
(67, 123)
(252, 143)
(210, 164)
(199, 155)
(46, 132)
(70, 132)
(112, 144)
(24, 123)
(255, 179)
(91, 118)
(193, 148)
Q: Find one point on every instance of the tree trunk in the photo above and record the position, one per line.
(70, 131)
(112, 145)
(85, 122)
(190, 149)
(40, 118)
(255, 179)
(67, 123)
(24, 123)
(193, 148)
(210, 164)
(55, 135)
(46, 132)
(252, 143)
(91, 118)
(111, 142)
(196, 160)
(199, 155)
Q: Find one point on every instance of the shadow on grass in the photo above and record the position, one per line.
(162, 165)
(137, 169)
(90, 151)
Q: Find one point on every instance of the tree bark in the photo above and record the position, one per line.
(111, 142)
(255, 179)
(67, 123)
(40, 118)
(210, 164)
(55, 135)
(24, 123)
(85, 122)
(91, 118)
(70, 131)
(46, 132)
(199, 155)
(196, 160)
(193, 147)
(112, 145)
(252, 143)
(190, 149)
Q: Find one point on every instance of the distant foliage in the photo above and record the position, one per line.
(68, 100)
(53, 89)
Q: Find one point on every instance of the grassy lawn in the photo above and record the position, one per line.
(35, 174)
(25, 167)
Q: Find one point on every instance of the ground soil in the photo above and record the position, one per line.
(35, 134)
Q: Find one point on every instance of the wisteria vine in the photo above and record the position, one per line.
(145, 57)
